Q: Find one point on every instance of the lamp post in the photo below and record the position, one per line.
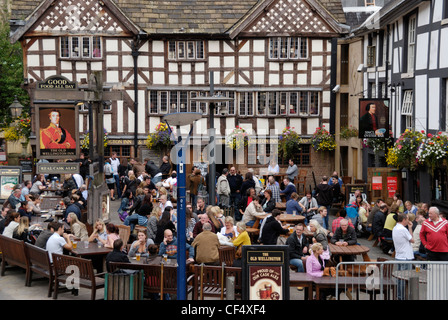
(15, 108)
(212, 100)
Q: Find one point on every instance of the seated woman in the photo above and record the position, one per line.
(21, 231)
(153, 219)
(253, 210)
(33, 204)
(243, 239)
(112, 235)
(163, 224)
(320, 236)
(78, 229)
(293, 205)
(140, 245)
(273, 167)
(99, 231)
(229, 230)
(268, 203)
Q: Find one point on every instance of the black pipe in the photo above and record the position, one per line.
(333, 79)
(135, 54)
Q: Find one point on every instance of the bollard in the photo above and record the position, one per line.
(414, 288)
(230, 288)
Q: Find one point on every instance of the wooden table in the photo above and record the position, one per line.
(302, 279)
(291, 219)
(349, 251)
(91, 250)
(48, 203)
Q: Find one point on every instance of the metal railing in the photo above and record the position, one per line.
(392, 280)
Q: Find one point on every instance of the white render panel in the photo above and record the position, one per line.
(274, 66)
(421, 59)
(153, 122)
(80, 76)
(230, 124)
(80, 65)
(112, 61)
(213, 46)
(247, 127)
(158, 46)
(96, 66)
(231, 79)
(318, 45)
(423, 14)
(258, 45)
(274, 79)
(33, 60)
(186, 79)
(173, 79)
(302, 66)
(258, 77)
(112, 44)
(325, 112)
(200, 79)
(316, 77)
(49, 60)
(227, 48)
(229, 62)
(107, 120)
(49, 73)
(434, 104)
(201, 126)
(143, 61)
(434, 50)
(158, 62)
(258, 62)
(326, 96)
(159, 77)
(244, 61)
(317, 61)
(312, 124)
(214, 62)
(245, 47)
(400, 29)
(443, 45)
(396, 61)
(49, 44)
(280, 124)
(288, 79)
(69, 76)
(112, 76)
(288, 66)
(186, 67)
(296, 124)
(173, 67)
(199, 67)
(262, 126)
(34, 46)
(420, 102)
(438, 10)
(81, 123)
(217, 124)
(120, 116)
(131, 114)
(301, 79)
(66, 65)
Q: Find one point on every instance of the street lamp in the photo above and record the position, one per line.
(15, 108)
(212, 100)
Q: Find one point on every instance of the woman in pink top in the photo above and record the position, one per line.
(315, 265)
(112, 235)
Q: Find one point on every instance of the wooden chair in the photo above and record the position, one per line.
(301, 181)
(39, 262)
(155, 282)
(213, 282)
(124, 233)
(14, 254)
(63, 266)
(226, 255)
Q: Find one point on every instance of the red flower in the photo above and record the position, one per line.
(429, 135)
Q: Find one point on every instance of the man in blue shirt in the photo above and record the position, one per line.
(289, 188)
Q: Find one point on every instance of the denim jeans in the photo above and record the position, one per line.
(124, 205)
(235, 199)
(117, 183)
(401, 284)
(298, 263)
(131, 221)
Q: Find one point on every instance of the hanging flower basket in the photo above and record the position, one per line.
(85, 142)
(433, 151)
(18, 129)
(322, 140)
(348, 132)
(289, 142)
(404, 152)
(160, 139)
(237, 139)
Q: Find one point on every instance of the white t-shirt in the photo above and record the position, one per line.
(78, 179)
(115, 163)
(402, 244)
(55, 244)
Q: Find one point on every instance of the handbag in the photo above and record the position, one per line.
(329, 272)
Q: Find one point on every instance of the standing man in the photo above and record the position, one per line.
(292, 170)
(115, 163)
(434, 236)
(403, 239)
(223, 189)
(324, 196)
(165, 167)
(235, 182)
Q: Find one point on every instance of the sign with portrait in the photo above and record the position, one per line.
(58, 132)
(373, 118)
(9, 178)
(265, 272)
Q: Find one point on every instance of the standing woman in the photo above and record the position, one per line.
(77, 228)
(248, 183)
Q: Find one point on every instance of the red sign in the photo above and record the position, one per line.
(392, 185)
(377, 183)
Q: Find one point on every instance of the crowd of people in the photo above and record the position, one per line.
(147, 192)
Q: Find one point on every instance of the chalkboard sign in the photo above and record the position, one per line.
(27, 165)
(203, 166)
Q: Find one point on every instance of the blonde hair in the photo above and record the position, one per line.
(316, 246)
(321, 208)
(229, 219)
(139, 191)
(162, 190)
(216, 211)
(74, 219)
(241, 225)
(156, 212)
(411, 216)
(23, 225)
(100, 221)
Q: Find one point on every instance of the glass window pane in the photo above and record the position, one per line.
(163, 102)
(183, 101)
(231, 103)
(303, 48)
(173, 102)
(303, 102)
(153, 105)
(172, 50)
(181, 50)
(96, 47)
(199, 49)
(294, 48)
(250, 104)
(272, 108)
(75, 47)
(273, 48)
(293, 97)
(193, 104)
(283, 48)
(314, 102)
(85, 47)
(190, 50)
(283, 102)
(65, 47)
(261, 101)
(242, 99)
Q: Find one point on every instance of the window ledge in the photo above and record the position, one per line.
(444, 22)
(407, 75)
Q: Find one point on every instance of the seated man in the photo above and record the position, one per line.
(289, 188)
(344, 236)
(58, 241)
(206, 246)
(169, 246)
(320, 216)
(337, 222)
(298, 248)
(117, 255)
(272, 228)
(43, 237)
(71, 206)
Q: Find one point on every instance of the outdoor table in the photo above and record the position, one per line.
(349, 250)
(280, 205)
(50, 202)
(292, 219)
(91, 250)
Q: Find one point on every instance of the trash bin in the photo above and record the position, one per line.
(124, 284)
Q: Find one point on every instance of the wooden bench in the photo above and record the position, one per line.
(213, 281)
(14, 254)
(39, 262)
(63, 264)
(155, 280)
(302, 279)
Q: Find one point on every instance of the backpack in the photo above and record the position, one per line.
(352, 214)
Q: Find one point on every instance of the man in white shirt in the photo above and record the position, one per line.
(58, 242)
(403, 239)
(78, 179)
(164, 202)
(115, 163)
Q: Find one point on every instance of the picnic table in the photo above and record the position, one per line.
(349, 251)
(50, 202)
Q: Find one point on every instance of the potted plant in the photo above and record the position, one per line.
(289, 142)
(322, 140)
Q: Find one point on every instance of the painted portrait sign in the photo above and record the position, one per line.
(58, 132)
(373, 118)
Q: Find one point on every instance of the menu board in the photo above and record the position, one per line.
(9, 178)
(265, 272)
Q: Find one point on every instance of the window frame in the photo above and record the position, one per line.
(67, 43)
(186, 50)
(288, 48)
